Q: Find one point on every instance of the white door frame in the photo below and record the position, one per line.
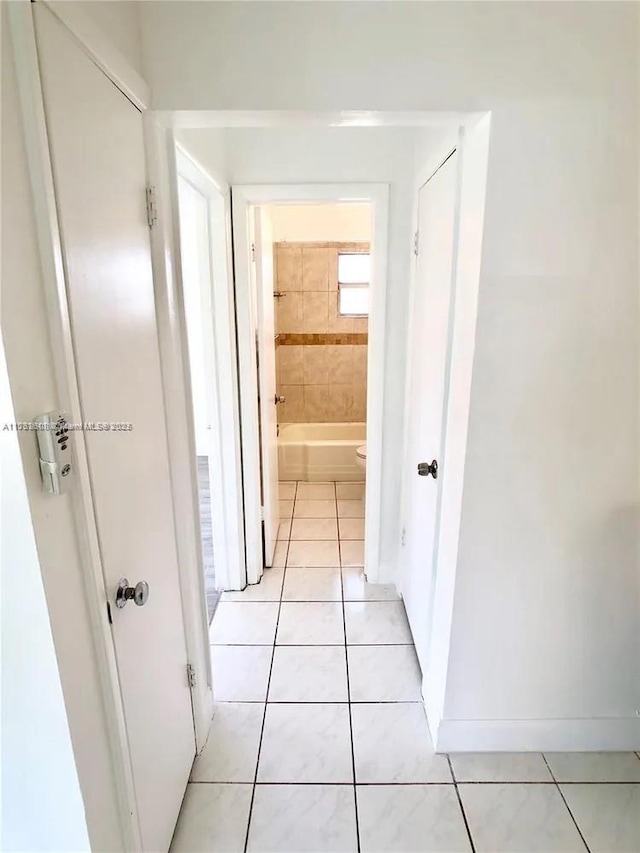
(244, 198)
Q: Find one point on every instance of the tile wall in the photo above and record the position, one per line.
(321, 358)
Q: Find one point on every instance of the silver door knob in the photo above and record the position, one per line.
(279, 399)
(139, 593)
(426, 468)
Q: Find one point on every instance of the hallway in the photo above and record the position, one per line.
(320, 742)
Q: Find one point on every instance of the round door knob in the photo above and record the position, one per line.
(138, 593)
(428, 468)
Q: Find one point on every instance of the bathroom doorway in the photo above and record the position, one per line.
(322, 274)
(309, 267)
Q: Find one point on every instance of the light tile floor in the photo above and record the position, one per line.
(320, 741)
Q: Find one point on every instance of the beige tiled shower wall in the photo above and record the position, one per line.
(320, 382)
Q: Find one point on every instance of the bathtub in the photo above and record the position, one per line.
(320, 452)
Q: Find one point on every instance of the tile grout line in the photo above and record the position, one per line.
(346, 659)
(464, 814)
(559, 789)
(266, 698)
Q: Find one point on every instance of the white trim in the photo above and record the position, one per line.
(619, 734)
(308, 118)
(101, 51)
(203, 179)
(178, 419)
(243, 198)
(51, 259)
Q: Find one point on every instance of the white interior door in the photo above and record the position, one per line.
(197, 287)
(97, 150)
(427, 389)
(263, 257)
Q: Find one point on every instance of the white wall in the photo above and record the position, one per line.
(42, 806)
(119, 21)
(27, 349)
(331, 155)
(546, 608)
(301, 223)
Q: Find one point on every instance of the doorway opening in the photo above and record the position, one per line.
(310, 291)
(309, 317)
(320, 295)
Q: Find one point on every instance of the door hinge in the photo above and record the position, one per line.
(253, 252)
(416, 243)
(152, 206)
(191, 675)
(403, 537)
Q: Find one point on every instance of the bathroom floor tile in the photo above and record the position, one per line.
(287, 491)
(384, 674)
(350, 509)
(500, 767)
(376, 623)
(308, 674)
(306, 743)
(317, 553)
(213, 819)
(316, 491)
(314, 528)
(594, 766)
(352, 553)
(350, 491)
(280, 553)
(231, 753)
(410, 819)
(316, 624)
(315, 509)
(608, 816)
(519, 819)
(391, 744)
(250, 623)
(303, 819)
(284, 530)
(286, 509)
(357, 588)
(351, 528)
(269, 588)
(240, 673)
(319, 584)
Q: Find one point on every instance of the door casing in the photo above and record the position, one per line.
(244, 199)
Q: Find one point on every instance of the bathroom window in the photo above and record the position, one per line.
(354, 274)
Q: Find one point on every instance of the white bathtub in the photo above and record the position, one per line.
(320, 452)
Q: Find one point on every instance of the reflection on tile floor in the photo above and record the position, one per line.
(320, 742)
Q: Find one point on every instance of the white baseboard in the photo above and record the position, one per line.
(566, 735)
